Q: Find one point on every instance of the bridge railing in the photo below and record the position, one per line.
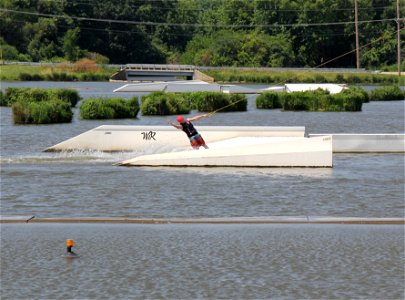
(159, 67)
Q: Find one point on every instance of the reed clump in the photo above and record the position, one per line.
(41, 106)
(387, 93)
(14, 95)
(41, 112)
(212, 101)
(2, 99)
(161, 104)
(109, 108)
(319, 100)
(268, 100)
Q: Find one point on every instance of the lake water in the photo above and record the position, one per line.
(200, 261)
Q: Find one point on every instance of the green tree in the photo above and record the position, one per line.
(228, 48)
(43, 44)
(7, 52)
(70, 48)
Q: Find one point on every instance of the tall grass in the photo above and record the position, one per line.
(387, 93)
(43, 112)
(40, 94)
(319, 100)
(282, 77)
(58, 72)
(160, 104)
(212, 101)
(3, 101)
(109, 108)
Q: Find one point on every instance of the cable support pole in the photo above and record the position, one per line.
(357, 35)
(398, 40)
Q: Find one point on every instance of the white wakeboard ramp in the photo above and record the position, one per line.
(233, 146)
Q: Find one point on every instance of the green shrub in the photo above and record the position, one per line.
(39, 94)
(321, 100)
(44, 112)
(339, 78)
(387, 93)
(212, 101)
(67, 95)
(357, 95)
(209, 101)
(3, 101)
(93, 77)
(62, 76)
(268, 100)
(319, 78)
(30, 77)
(109, 108)
(240, 103)
(295, 101)
(160, 104)
(14, 94)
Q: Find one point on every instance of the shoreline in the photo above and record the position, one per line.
(226, 75)
(225, 220)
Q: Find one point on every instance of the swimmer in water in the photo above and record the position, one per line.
(69, 245)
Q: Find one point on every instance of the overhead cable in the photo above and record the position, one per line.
(129, 22)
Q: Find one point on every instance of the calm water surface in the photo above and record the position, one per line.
(200, 261)
(82, 184)
(203, 262)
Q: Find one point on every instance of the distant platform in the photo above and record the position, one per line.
(303, 87)
(366, 143)
(185, 87)
(202, 86)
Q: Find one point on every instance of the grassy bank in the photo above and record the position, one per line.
(282, 77)
(87, 71)
(57, 72)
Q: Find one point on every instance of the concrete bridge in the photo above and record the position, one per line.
(156, 72)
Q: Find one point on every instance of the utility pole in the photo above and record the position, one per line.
(357, 35)
(398, 40)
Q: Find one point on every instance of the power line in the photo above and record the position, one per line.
(270, 8)
(319, 33)
(128, 22)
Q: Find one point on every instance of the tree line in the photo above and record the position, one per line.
(249, 33)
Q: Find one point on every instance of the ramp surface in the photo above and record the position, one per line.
(248, 152)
